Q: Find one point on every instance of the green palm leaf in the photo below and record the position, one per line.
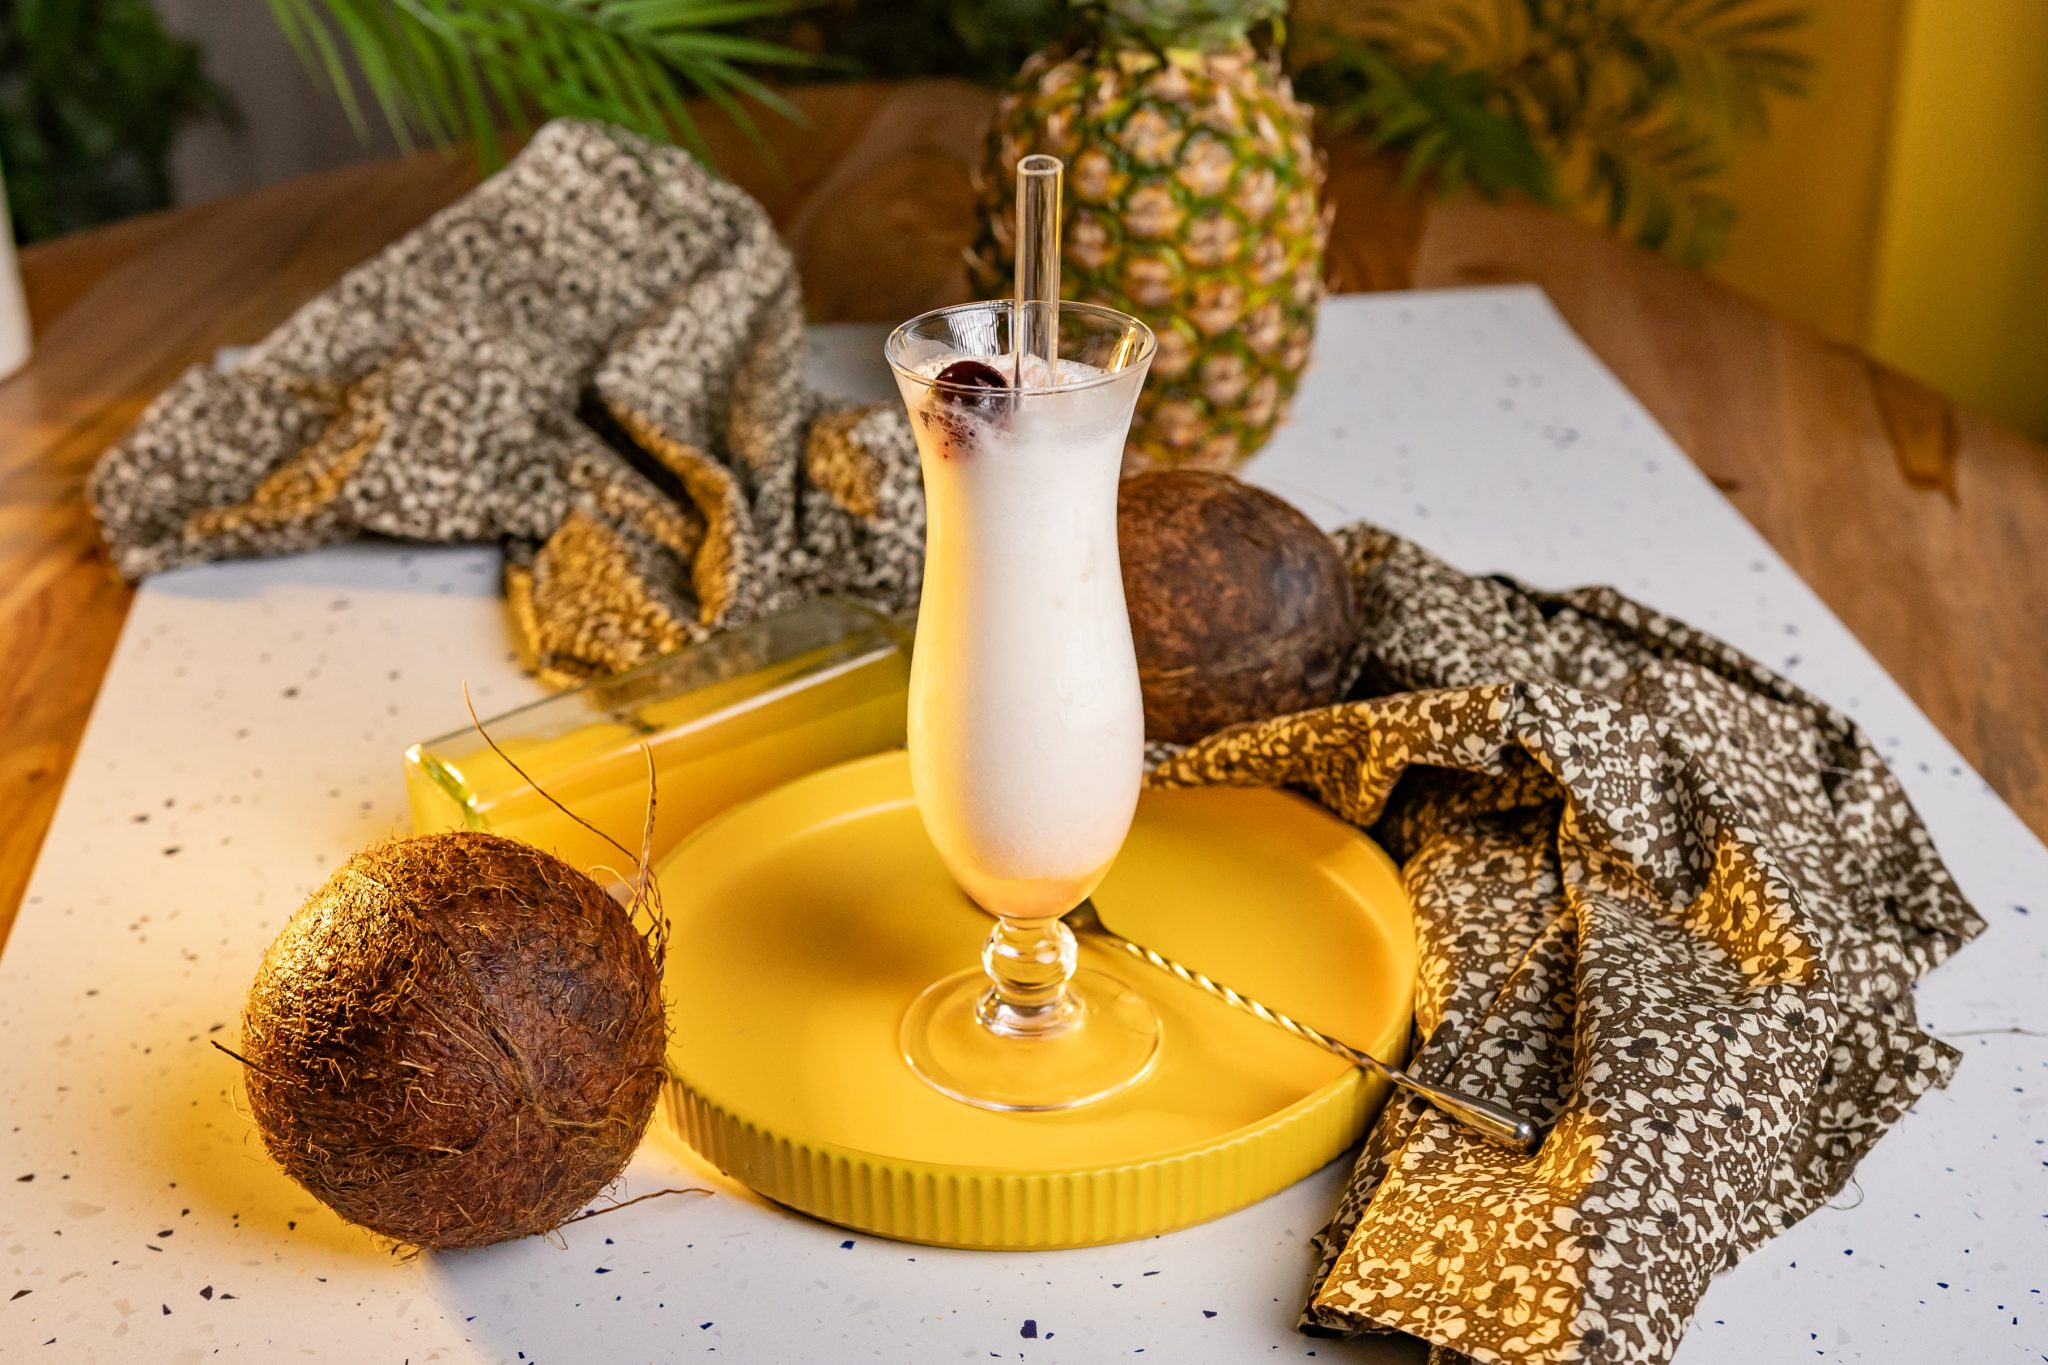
(1722, 56)
(1445, 122)
(443, 70)
(1657, 184)
(1638, 104)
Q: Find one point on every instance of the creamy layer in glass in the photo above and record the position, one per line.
(1026, 724)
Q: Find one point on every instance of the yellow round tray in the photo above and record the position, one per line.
(805, 922)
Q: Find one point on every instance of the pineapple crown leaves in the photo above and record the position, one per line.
(450, 69)
(1634, 106)
(1172, 25)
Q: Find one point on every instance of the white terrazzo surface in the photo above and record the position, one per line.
(248, 737)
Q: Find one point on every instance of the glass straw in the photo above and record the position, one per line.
(1037, 329)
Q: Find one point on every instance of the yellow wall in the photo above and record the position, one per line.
(1808, 198)
(1961, 294)
(1904, 205)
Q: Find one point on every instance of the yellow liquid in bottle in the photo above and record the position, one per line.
(713, 747)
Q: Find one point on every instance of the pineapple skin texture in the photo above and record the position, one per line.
(1193, 202)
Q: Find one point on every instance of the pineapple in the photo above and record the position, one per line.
(1192, 202)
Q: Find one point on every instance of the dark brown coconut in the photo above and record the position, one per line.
(457, 1040)
(1240, 607)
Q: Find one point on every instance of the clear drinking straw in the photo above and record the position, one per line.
(1037, 329)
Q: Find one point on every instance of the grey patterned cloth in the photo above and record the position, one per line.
(595, 359)
(1664, 899)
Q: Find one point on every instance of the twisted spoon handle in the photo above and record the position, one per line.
(1482, 1116)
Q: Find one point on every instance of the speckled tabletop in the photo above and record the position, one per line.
(248, 736)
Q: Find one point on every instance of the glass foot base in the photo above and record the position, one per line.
(1106, 1039)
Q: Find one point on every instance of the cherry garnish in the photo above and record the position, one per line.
(964, 387)
(971, 374)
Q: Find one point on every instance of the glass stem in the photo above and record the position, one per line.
(1029, 962)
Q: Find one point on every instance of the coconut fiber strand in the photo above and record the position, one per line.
(1667, 903)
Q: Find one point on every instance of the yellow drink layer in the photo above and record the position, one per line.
(724, 721)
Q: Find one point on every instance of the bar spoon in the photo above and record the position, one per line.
(1483, 1116)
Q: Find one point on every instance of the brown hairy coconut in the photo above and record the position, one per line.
(1240, 607)
(458, 1040)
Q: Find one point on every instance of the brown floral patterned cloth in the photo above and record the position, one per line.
(596, 359)
(1666, 902)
